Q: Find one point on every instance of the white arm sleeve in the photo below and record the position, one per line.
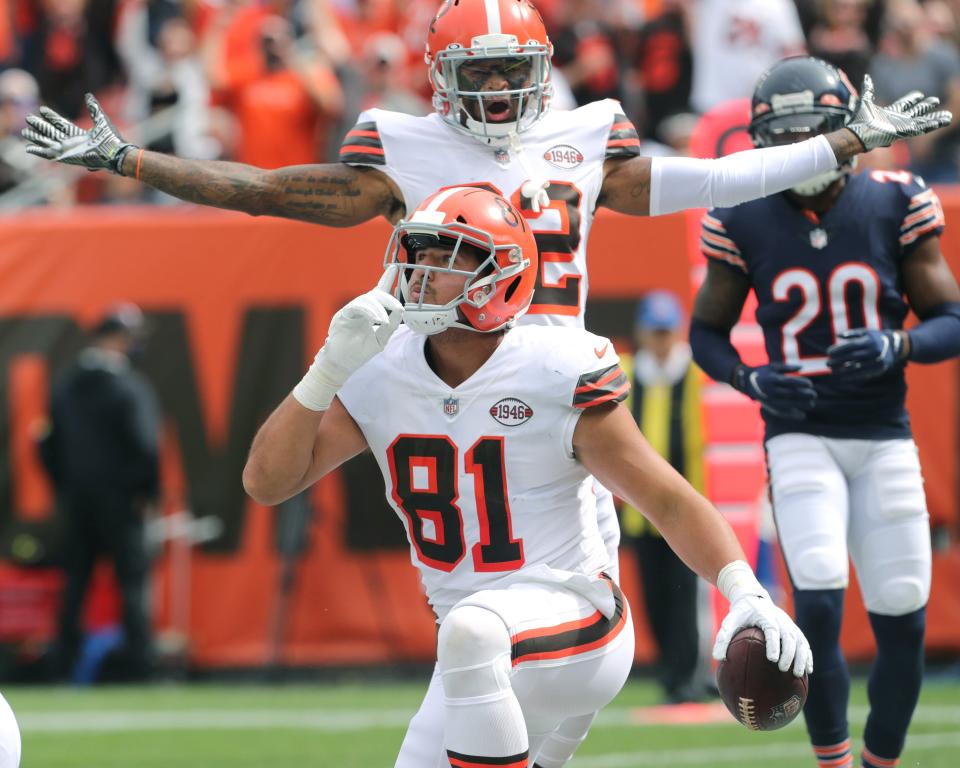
(678, 183)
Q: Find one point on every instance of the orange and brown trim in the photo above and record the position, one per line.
(603, 386)
(623, 141)
(834, 755)
(572, 637)
(362, 146)
(458, 760)
(868, 758)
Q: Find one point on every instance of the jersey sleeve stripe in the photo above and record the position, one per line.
(623, 133)
(924, 197)
(349, 148)
(919, 213)
(598, 379)
(360, 141)
(718, 255)
(572, 637)
(916, 233)
(625, 151)
(724, 243)
(623, 143)
(362, 145)
(617, 396)
(603, 386)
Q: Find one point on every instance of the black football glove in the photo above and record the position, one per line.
(789, 397)
(864, 354)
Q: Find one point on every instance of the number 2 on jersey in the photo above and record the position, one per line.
(557, 245)
(811, 305)
(424, 471)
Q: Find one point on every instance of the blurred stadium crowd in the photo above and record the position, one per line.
(278, 82)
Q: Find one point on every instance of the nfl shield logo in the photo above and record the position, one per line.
(501, 156)
(818, 238)
(451, 405)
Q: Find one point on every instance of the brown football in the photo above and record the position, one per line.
(755, 691)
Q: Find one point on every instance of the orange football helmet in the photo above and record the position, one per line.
(476, 30)
(497, 291)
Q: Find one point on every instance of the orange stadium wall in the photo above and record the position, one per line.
(237, 307)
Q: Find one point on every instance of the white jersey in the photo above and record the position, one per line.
(483, 475)
(568, 149)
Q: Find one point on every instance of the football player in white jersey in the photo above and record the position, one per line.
(487, 436)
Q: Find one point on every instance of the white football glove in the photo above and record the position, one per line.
(751, 606)
(53, 137)
(357, 332)
(912, 115)
(786, 645)
(536, 193)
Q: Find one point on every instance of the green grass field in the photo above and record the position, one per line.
(360, 725)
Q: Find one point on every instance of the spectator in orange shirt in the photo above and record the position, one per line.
(284, 100)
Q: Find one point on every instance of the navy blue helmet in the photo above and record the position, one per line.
(798, 98)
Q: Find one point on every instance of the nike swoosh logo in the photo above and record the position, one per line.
(601, 351)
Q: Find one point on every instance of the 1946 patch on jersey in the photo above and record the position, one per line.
(510, 412)
(563, 156)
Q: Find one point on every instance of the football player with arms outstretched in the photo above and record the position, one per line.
(488, 458)
(836, 263)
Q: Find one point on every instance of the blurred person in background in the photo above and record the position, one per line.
(665, 403)
(101, 452)
(19, 96)
(942, 20)
(836, 263)
(386, 77)
(734, 42)
(585, 51)
(912, 58)
(69, 50)
(840, 36)
(664, 64)
(284, 99)
(167, 75)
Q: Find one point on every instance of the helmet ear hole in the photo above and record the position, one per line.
(511, 288)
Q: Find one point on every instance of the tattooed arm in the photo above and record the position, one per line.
(334, 194)
(626, 185)
(642, 186)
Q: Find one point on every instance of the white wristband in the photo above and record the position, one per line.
(736, 580)
(319, 384)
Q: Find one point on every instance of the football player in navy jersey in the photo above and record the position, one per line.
(836, 263)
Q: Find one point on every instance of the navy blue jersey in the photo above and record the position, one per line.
(817, 276)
